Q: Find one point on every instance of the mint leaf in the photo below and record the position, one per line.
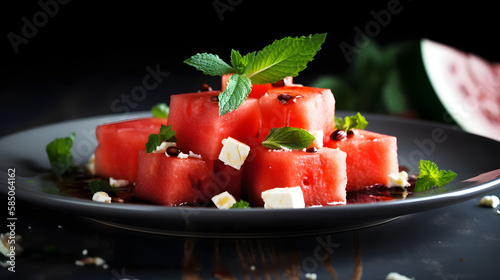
(241, 64)
(285, 57)
(430, 176)
(288, 137)
(154, 140)
(237, 90)
(240, 204)
(209, 64)
(59, 154)
(160, 110)
(102, 186)
(357, 121)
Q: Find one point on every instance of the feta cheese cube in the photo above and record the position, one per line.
(224, 200)
(283, 198)
(396, 276)
(489, 201)
(233, 152)
(398, 180)
(318, 138)
(90, 166)
(101, 197)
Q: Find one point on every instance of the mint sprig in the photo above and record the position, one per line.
(430, 176)
(288, 137)
(160, 110)
(166, 135)
(100, 185)
(285, 57)
(59, 154)
(350, 122)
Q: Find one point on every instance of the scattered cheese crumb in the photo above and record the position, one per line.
(233, 152)
(283, 198)
(101, 197)
(398, 180)
(90, 166)
(85, 252)
(489, 201)
(311, 276)
(5, 247)
(95, 261)
(193, 155)
(182, 155)
(164, 146)
(118, 182)
(396, 276)
(224, 200)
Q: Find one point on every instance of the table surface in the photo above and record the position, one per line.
(454, 242)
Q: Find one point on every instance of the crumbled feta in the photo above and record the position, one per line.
(182, 155)
(489, 201)
(224, 200)
(283, 198)
(318, 138)
(97, 261)
(396, 276)
(233, 152)
(101, 197)
(164, 146)
(191, 154)
(118, 182)
(398, 180)
(90, 166)
(311, 276)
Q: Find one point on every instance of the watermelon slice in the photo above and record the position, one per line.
(371, 157)
(297, 106)
(321, 175)
(200, 129)
(171, 181)
(118, 145)
(444, 81)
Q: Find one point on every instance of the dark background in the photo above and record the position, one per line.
(88, 54)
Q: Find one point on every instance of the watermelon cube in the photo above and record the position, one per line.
(297, 106)
(200, 129)
(321, 175)
(171, 181)
(118, 145)
(371, 157)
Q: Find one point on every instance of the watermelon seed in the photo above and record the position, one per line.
(214, 98)
(338, 135)
(283, 98)
(206, 87)
(279, 83)
(312, 150)
(173, 151)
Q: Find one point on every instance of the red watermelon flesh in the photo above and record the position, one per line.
(321, 175)
(171, 181)
(118, 145)
(371, 157)
(306, 107)
(200, 129)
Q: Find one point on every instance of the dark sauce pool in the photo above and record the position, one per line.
(77, 185)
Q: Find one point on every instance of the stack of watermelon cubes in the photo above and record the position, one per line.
(324, 172)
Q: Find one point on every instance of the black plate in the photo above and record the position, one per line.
(474, 158)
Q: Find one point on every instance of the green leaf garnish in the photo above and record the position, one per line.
(160, 110)
(237, 90)
(347, 123)
(288, 137)
(209, 64)
(285, 57)
(59, 153)
(102, 186)
(430, 176)
(240, 204)
(154, 140)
